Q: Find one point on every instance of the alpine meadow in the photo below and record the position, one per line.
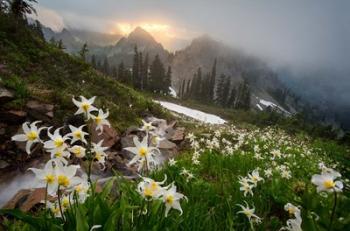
(174, 115)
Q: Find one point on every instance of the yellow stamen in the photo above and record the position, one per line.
(169, 199)
(32, 135)
(77, 134)
(49, 178)
(143, 152)
(59, 142)
(98, 120)
(63, 180)
(148, 192)
(328, 184)
(85, 106)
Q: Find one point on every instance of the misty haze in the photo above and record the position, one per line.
(174, 115)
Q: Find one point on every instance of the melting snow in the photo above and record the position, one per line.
(260, 108)
(270, 104)
(173, 92)
(195, 114)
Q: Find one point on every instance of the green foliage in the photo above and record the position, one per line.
(36, 69)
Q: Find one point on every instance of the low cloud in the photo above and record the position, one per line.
(49, 18)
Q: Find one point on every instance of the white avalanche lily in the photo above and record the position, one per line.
(246, 188)
(56, 140)
(99, 151)
(255, 177)
(292, 210)
(142, 152)
(171, 199)
(249, 212)
(147, 126)
(101, 120)
(31, 134)
(78, 151)
(59, 153)
(47, 176)
(326, 181)
(149, 188)
(66, 175)
(54, 208)
(77, 134)
(85, 106)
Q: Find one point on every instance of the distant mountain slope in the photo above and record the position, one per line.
(202, 53)
(74, 39)
(37, 70)
(123, 50)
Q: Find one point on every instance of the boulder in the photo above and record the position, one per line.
(26, 199)
(178, 135)
(109, 136)
(13, 117)
(40, 111)
(5, 95)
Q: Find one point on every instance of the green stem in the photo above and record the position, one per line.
(333, 210)
(59, 203)
(251, 225)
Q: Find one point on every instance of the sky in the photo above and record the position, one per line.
(300, 33)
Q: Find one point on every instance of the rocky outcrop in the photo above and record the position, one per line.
(5, 95)
(26, 199)
(39, 110)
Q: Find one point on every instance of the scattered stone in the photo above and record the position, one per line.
(13, 117)
(178, 135)
(109, 136)
(40, 111)
(26, 199)
(5, 95)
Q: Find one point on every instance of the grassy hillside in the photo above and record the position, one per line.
(36, 69)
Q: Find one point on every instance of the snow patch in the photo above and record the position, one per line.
(260, 108)
(272, 105)
(172, 92)
(195, 114)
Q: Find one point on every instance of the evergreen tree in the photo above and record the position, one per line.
(121, 76)
(167, 81)
(105, 67)
(198, 86)
(144, 73)
(93, 61)
(83, 52)
(182, 89)
(188, 89)
(141, 72)
(61, 46)
(220, 90)
(226, 92)
(212, 81)
(20, 8)
(157, 75)
(114, 72)
(232, 97)
(136, 69)
(53, 41)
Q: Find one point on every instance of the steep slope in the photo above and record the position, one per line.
(202, 53)
(37, 70)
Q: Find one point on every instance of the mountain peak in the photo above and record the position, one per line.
(140, 34)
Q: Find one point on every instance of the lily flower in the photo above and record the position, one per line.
(326, 182)
(56, 140)
(54, 208)
(78, 151)
(171, 199)
(77, 134)
(59, 153)
(246, 188)
(31, 134)
(292, 210)
(47, 176)
(99, 151)
(85, 106)
(149, 188)
(255, 177)
(142, 152)
(100, 120)
(249, 212)
(172, 162)
(147, 126)
(66, 175)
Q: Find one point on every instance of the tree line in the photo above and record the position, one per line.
(208, 88)
(143, 74)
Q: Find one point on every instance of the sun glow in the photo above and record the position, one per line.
(127, 28)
